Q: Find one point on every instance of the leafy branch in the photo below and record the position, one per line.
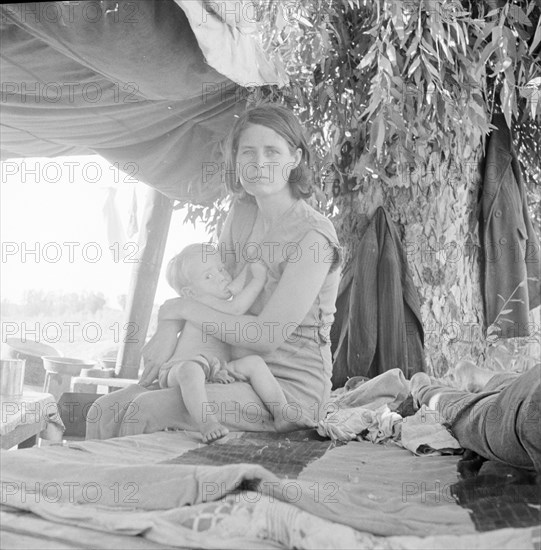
(495, 328)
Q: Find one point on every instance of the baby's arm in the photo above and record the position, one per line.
(241, 303)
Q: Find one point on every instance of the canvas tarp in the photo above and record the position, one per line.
(127, 80)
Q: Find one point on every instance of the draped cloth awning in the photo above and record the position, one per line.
(128, 80)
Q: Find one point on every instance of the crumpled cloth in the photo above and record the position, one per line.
(367, 412)
(389, 388)
(376, 426)
(233, 25)
(423, 434)
(34, 407)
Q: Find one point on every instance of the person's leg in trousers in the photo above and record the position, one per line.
(503, 424)
(237, 406)
(105, 415)
(513, 425)
(136, 410)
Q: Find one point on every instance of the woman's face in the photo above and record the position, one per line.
(265, 161)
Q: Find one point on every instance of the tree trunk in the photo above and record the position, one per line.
(434, 203)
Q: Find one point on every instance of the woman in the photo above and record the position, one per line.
(267, 160)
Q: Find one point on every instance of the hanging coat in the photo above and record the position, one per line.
(378, 323)
(512, 260)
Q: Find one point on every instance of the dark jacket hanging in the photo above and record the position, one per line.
(378, 323)
(512, 260)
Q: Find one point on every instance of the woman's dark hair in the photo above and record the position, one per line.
(285, 124)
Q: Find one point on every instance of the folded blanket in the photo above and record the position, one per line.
(423, 434)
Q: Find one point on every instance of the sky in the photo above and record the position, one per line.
(54, 234)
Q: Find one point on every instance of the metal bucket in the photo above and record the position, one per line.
(11, 378)
(31, 352)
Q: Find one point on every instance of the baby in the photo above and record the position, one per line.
(198, 272)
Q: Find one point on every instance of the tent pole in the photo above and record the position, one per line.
(144, 280)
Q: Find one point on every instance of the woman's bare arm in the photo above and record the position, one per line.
(287, 307)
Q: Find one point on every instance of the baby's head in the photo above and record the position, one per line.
(197, 270)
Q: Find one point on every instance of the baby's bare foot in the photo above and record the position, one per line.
(213, 431)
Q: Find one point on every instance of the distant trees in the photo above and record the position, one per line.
(41, 302)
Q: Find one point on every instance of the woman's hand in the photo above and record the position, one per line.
(158, 350)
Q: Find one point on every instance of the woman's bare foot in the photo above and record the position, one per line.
(212, 431)
(469, 377)
(418, 380)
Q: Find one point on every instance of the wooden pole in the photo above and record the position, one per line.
(144, 280)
